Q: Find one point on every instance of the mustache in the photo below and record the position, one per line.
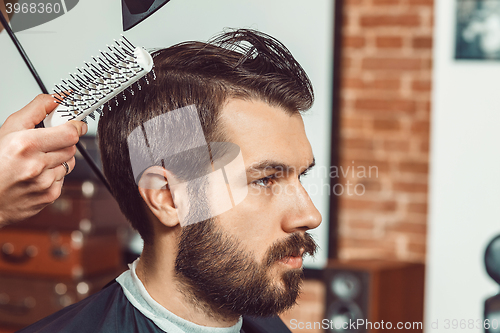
(291, 247)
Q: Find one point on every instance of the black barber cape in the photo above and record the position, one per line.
(109, 311)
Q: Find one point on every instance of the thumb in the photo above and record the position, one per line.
(80, 126)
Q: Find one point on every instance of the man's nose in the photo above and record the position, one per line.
(301, 213)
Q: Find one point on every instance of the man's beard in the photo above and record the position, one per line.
(218, 273)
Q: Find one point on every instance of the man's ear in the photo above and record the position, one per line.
(154, 190)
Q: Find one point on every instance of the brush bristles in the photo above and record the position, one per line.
(96, 80)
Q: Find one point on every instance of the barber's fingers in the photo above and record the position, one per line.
(55, 171)
(56, 158)
(56, 138)
(41, 184)
(56, 162)
(80, 126)
(30, 115)
(50, 194)
(60, 170)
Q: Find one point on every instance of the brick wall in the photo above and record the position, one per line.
(385, 112)
(385, 106)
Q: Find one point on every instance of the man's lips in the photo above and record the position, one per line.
(293, 261)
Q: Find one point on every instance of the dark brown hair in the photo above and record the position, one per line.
(238, 64)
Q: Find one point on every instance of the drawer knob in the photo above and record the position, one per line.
(8, 254)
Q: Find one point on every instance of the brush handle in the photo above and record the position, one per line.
(55, 118)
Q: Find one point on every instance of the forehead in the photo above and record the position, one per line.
(265, 132)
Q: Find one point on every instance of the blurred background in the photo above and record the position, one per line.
(404, 131)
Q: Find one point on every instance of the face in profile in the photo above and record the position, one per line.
(248, 260)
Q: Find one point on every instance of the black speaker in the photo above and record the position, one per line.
(492, 304)
(374, 296)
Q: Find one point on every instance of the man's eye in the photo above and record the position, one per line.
(302, 175)
(264, 182)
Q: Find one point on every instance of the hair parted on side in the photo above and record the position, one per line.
(242, 63)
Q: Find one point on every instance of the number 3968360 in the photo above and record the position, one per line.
(33, 8)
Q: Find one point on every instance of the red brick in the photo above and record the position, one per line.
(387, 105)
(392, 64)
(310, 305)
(396, 145)
(417, 208)
(367, 253)
(352, 2)
(361, 224)
(427, 63)
(346, 18)
(424, 106)
(417, 218)
(356, 143)
(383, 84)
(352, 83)
(427, 3)
(346, 62)
(385, 2)
(312, 291)
(414, 167)
(408, 228)
(421, 85)
(428, 106)
(386, 125)
(420, 127)
(353, 41)
(422, 42)
(379, 244)
(417, 248)
(365, 160)
(404, 20)
(345, 103)
(347, 202)
(351, 123)
(370, 185)
(424, 147)
(389, 42)
(410, 187)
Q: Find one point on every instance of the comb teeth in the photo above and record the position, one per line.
(99, 81)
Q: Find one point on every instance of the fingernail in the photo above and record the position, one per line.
(84, 129)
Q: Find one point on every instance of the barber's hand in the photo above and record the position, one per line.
(31, 170)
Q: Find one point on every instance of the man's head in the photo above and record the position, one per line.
(248, 90)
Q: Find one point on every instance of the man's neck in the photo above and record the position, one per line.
(162, 284)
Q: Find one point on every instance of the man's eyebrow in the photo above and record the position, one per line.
(275, 165)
